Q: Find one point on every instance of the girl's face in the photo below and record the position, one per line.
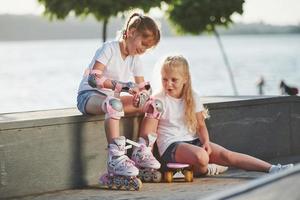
(173, 82)
(137, 44)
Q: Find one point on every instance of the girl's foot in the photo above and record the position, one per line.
(214, 169)
(279, 167)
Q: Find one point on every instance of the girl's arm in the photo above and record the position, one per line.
(98, 80)
(139, 79)
(99, 66)
(203, 132)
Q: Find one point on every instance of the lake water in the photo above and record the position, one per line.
(37, 75)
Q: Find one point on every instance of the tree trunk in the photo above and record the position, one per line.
(226, 61)
(104, 29)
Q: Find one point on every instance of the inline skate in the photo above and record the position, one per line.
(145, 161)
(121, 172)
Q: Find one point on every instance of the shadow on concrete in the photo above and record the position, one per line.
(77, 171)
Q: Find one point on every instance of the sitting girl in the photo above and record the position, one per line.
(182, 133)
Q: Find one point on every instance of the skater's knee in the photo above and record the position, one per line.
(201, 158)
(113, 108)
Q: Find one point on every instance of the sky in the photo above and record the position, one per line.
(276, 12)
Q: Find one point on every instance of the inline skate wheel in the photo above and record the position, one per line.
(156, 177)
(147, 177)
(127, 184)
(110, 184)
(137, 184)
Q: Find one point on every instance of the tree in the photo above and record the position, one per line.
(102, 10)
(197, 16)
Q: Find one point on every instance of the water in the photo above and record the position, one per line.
(37, 75)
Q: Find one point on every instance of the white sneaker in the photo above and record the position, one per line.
(279, 167)
(214, 169)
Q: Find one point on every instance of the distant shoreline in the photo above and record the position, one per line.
(100, 39)
(31, 27)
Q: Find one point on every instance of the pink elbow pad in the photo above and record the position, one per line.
(99, 78)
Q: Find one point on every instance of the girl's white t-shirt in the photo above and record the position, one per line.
(171, 127)
(116, 68)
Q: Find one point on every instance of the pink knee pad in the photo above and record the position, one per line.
(153, 108)
(113, 108)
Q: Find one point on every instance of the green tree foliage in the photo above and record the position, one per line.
(197, 16)
(102, 10)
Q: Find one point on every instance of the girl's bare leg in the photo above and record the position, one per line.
(148, 125)
(93, 106)
(193, 155)
(112, 126)
(128, 106)
(225, 157)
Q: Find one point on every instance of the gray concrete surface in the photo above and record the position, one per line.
(233, 184)
(283, 185)
(60, 149)
(52, 150)
(200, 188)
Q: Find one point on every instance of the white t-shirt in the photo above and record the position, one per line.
(171, 127)
(116, 68)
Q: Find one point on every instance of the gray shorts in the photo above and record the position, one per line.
(83, 97)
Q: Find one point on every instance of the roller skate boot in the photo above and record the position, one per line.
(122, 174)
(145, 161)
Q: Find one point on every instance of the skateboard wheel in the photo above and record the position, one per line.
(188, 175)
(168, 176)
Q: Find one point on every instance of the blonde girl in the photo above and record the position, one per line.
(182, 133)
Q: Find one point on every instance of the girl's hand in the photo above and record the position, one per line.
(134, 90)
(207, 148)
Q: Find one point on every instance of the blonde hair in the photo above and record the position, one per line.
(180, 64)
(144, 25)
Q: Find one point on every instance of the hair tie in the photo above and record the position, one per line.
(141, 16)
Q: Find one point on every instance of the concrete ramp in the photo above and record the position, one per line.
(284, 185)
(233, 184)
(54, 150)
